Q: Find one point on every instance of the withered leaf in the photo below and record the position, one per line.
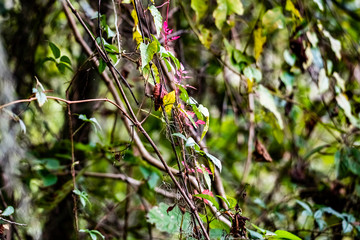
(159, 93)
(261, 154)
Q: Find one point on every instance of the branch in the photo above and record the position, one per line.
(133, 182)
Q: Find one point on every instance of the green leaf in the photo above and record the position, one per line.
(289, 58)
(282, 234)
(259, 41)
(216, 161)
(267, 100)
(151, 177)
(157, 19)
(168, 221)
(8, 211)
(65, 59)
(200, 7)
(180, 136)
(205, 112)
(323, 81)
(252, 74)
(273, 19)
(93, 233)
(102, 65)
(147, 52)
(225, 200)
(209, 198)
(51, 164)
(48, 179)
(343, 102)
(319, 4)
(217, 224)
(54, 49)
(255, 235)
(225, 8)
(307, 211)
(205, 36)
(83, 196)
(92, 120)
(260, 202)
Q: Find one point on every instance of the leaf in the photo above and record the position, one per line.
(209, 198)
(267, 100)
(40, 96)
(157, 19)
(51, 164)
(290, 7)
(282, 234)
(147, 52)
(216, 161)
(205, 36)
(83, 196)
(217, 224)
(260, 202)
(323, 81)
(180, 136)
(225, 8)
(255, 235)
(65, 59)
(49, 179)
(54, 49)
(339, 81)
(335, 44)
(342, 101)
(319, 4)
(168, 222)
(289, 58)
(205, 112)
(307, 211)
(8, 211)
(102, 65)
(22, 126)
(92, 120)
(346, 226)
(169, 100)
(200, 7)
(252, 74)
(259, 41)
(273, 19)
(150, 176)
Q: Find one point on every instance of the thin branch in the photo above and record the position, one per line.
(251, 137)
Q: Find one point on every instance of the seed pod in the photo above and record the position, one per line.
(159, 93)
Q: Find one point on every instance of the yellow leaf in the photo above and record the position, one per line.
(259, 42)
(290, 7)
(169, 100)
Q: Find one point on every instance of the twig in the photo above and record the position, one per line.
(251, 137)
(11, 222)
(73, 174)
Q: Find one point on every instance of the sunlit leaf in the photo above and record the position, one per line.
(335, 44)
(216, 161)
(323, 81)
(22, 126)
(8, 211)
(157, 19)
(267, 100)
(259, 41)
(225, 8)
(169, 100)
(200, 7)
(168, 221)
(343, 102)
(209, 198)
(147, 52)
(252, 74)
(307, 210)
(282, 234)
(273, 19)
(290, 7)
